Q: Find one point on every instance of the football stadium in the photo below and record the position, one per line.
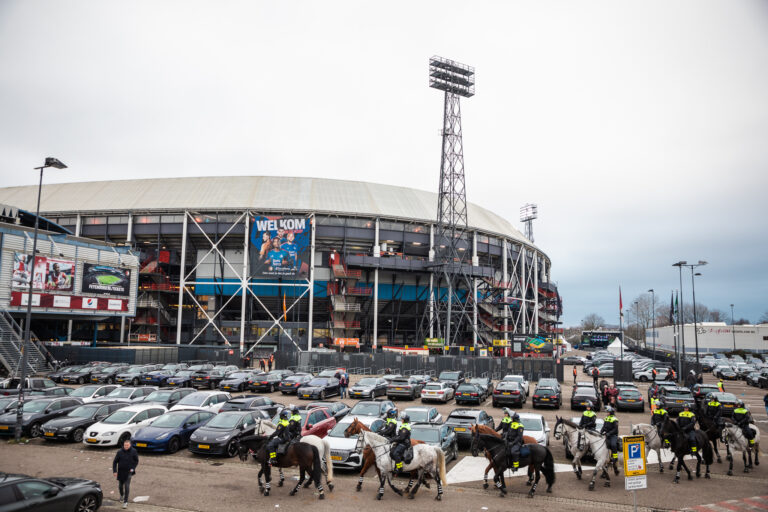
(309, 262)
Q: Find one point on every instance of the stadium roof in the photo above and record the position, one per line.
(266, 193)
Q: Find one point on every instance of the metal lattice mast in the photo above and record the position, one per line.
(453, 266)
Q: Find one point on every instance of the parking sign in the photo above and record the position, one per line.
(634, 455)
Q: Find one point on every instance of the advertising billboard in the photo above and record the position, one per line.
(48, 274)
(280, 246)
(106, 280)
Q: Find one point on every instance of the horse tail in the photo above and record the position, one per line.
(708, 451)
(317, 466)
(548, 468)
(441, 465)
(328, 461)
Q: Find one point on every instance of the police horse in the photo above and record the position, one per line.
(590, 442)
(733, 435)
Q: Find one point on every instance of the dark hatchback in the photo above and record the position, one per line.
(80, 376)
(469, 394)
(253, 403)
(58, 375)
(369, 387)
(107, 374)
(461, 420)
(508, 393)
(372, 408)
(546, 397)
(629, 399)
(209, 379)
(35, 413)
(674, 399)
(72, 426)
(235, 381)
(320, 388)
(289, 385)
(453, 378)
(170, 431)
(167, 396)
(55, 494)
(265, 382)
(218, 435)
(700, 392)
(133, 375)
(580, 397)
(337, 409)
(728, 401)
(181, 379)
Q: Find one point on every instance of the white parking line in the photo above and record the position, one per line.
(470, 469)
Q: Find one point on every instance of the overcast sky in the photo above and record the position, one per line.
(639, 128)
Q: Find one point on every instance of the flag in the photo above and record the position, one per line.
(285, 311)
(671, 308)
(677, 311)
(621, 305)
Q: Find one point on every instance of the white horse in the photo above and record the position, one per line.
(653, 442)
(594, 443)
(266, 427)
(426, 459)
(732, 435)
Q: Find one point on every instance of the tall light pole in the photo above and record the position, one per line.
(693, 290)
(55, 163)
(679, 266)
(733, 329)
(637, 320)
(653, 320)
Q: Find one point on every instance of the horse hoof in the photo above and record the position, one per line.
(485, 485)
(322, 496)
(528, 482)
(549, 490)
(719, 460)
(707, 476)
(359, 488)
(438, 498)
(330, 487)
(411, 496)
(607, 484)
(280, 483)
(266, 492)
(530, 495)
(378, 496)
(746, 470)
(676, 481)
(578, 476)
(501, 495)
(690, 477)
(661, 470)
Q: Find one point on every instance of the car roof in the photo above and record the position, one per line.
(419, 408)
(465, 412)
(531, 415)
(141, 407)
(365, 420)
(234, 413)
(208, 393)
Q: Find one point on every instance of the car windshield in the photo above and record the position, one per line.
(238, 375)
(318, 382)
(628, 392)
(428, 435)
(193, 399)
(726, 397)
(85, 391)
(433, 387)
(470, 388)
(224, 421)
(449, 376)
(294, 378)
(121, 393)
(110, 369)
(338, 430)
(367, 382)
(184, 373)
(159, 396)
(676, 393)
(84, 411)
(119, 417)
(5, 402)
(513, 378)
(532, 424)
(35, 406)
(418, 415)
(401, 381)
(134, 370)
(462, 419)
(364, 409)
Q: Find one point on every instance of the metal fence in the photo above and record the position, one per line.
(144, 354)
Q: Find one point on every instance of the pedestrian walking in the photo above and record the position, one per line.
(574, 374)
(262, 365)
(595, 375)
(654, 373)
(343, 383)
(765, 401)
(124, 468)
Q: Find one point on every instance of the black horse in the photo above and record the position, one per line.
(303, 455)
(678, 441)
(539, 457)
(713, 432)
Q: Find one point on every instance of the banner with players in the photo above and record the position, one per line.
(280, 246)
(48, 274)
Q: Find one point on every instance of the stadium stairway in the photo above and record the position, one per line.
(11, 339)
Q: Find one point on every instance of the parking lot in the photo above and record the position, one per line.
(184, 481)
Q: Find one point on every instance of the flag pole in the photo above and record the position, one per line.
(621, 324)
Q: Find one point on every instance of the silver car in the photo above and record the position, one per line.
(438, 392)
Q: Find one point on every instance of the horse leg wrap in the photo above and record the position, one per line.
(268, 485)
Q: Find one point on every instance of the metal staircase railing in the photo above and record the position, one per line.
(11, 340)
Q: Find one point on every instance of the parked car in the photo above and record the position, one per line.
(331, 372)
(700, 392)
(485, 383)
(80, 376)
(629, 399)
(441, 436)
(520, 380)
(203, 401)
(92, 392)
(72, 426)
(10, 386)
(453, 378)
(8, 404)
(535, 426)
(437, 391)
(370, 387)
(583, 394)
(107, 374)
(167, 397)
(170, 431)
(58, 375)
(337, 409)
(647, 375)
(54, 391)
(467, 393)
(122, 424)
(160, 377)
(181, 379)
(220, 434)
(318, 421)
(265, 382)
(376, 408)
(133, 375)
(573, 360)
(461, 420)
(289, 385)
(728, 401)
(22, 492)
(404, 387)
(209, 379)
(548, 382)
(424, 415)
(423, 378)
(509, 393)
(320, 388)
(674, 399)
(752, 378)
(654, 390)
(253, 403)
(546, 397)
(35, 413)
(128, 394)
(344, 453)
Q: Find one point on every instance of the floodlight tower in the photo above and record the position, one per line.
(453, 246)
(528, 213)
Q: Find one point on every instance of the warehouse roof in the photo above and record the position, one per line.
(265, 193)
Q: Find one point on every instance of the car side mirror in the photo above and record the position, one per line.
(50, 493)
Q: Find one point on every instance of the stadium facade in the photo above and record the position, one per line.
(307, 261)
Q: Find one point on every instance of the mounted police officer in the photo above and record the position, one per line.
(390, 427)
(294, 424)
(513, 437)
(742, 418)
(714, 410)
(505, 422)
(686, 420)
(658, 417)
(282, 434)
(588, 418)
(611, 432)
(402, 443)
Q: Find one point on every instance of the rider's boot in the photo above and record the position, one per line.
(272, 458)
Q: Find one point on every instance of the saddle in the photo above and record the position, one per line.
(524, 451)
(407, 454)
(283, 447)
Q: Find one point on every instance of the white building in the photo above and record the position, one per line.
(713, 337)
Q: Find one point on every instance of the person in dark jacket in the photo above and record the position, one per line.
(690, 379)
(389, 430)
(294, 423)
(611, 432)
(124, 467)
(742, 418)
(714, 410)
(402, 442)
(514, 440)
(686, 420)
(588, 418)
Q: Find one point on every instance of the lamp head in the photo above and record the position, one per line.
(650, 291)
(54, 162)
(697, 274)
(679, 263)
(702, 262)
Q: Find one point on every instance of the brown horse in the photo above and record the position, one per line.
(485, 429)
(369, 459)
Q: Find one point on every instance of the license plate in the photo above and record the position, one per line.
(726, 405)
(305, 396)
(204, 446)
(504, 393)
(141, 445)
(3, 427)
(48, 434)
(398, 389)
(198, 378)
(678, 401)
(335, 457)
(227, 387)
(147, 378)
(631, 400)
(459, 429)
(545, 399)
(583, 403)
(91, 440)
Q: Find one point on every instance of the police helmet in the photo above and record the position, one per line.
(515, 417)
(284, 414)
(406, 418)
(391, 413)
(739, 403)
(295, 409)
(710, 396)
(589, 404)
(610, 410)
(507, 412)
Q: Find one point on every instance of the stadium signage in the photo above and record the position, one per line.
(71, 302)
(48, 273)
(280, 247)
(106, 280)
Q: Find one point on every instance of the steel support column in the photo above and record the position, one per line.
(182, 277)
(536, 292)
(244, 283)
(431, 304)
(310, 328)
(523, 289)
(474, 291)
(505, 282)
(376, 254)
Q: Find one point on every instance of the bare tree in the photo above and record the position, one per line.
(741, 321)
(592, 321)
(717, 315)
(764, 318)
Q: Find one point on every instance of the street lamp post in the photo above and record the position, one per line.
(55, 163)
(653, 320)
(637, 321)
(733, 329)
(679, 266)
(695, 320)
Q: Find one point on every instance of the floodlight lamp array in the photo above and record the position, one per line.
(528, 212)
(451, 76)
